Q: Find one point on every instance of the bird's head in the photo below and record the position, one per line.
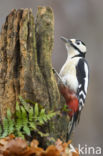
(75, 47)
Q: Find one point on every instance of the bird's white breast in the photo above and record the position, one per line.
(68, 73)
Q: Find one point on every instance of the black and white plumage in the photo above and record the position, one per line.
(75, 71)
(74, 75)
(82, 76)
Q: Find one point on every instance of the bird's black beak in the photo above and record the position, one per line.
(64, 39)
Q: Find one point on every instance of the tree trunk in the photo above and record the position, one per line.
(25, 64)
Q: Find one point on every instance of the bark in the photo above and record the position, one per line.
(25, 64)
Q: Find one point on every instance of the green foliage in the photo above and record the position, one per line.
(66, 109)
(27, 118)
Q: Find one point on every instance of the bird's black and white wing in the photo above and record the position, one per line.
(82, 72)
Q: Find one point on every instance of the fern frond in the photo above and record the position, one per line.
(11, 122)
(31, 114)
(36, 110)
(26, 129)
(42, 112)
(5, 128)
(18, 118)
(24, 103)
(20, 134)
(33, 126)
(51, 115)
(24, 116)
(11, 126)
(44, 118)
(27, 119)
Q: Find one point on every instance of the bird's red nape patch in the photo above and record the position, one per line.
(70, 98)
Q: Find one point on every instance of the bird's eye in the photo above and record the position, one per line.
(78, 42)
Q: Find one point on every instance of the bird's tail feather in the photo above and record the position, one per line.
(70, 128)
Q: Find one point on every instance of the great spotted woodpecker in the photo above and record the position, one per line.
(73, 79)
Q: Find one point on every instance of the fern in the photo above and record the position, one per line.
(31, 114)
(27, 118)
(18, 121)
(5, 127)
(26, 129)
(24, 103)
(10, 122)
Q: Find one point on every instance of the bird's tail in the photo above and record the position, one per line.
(70, 127)
(74, 120)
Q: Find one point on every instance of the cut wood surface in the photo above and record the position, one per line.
(25, 65)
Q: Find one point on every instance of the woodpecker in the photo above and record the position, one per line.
(73, 79)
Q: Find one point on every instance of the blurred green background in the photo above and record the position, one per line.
(80, 19)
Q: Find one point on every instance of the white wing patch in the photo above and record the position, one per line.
(80, 107)
(80, 86)
(82, 93)
(86, 77)
(81, 102)
(83, 82)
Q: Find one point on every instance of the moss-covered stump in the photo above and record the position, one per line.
(25, 64)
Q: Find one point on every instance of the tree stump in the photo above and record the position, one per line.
(25, 65)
